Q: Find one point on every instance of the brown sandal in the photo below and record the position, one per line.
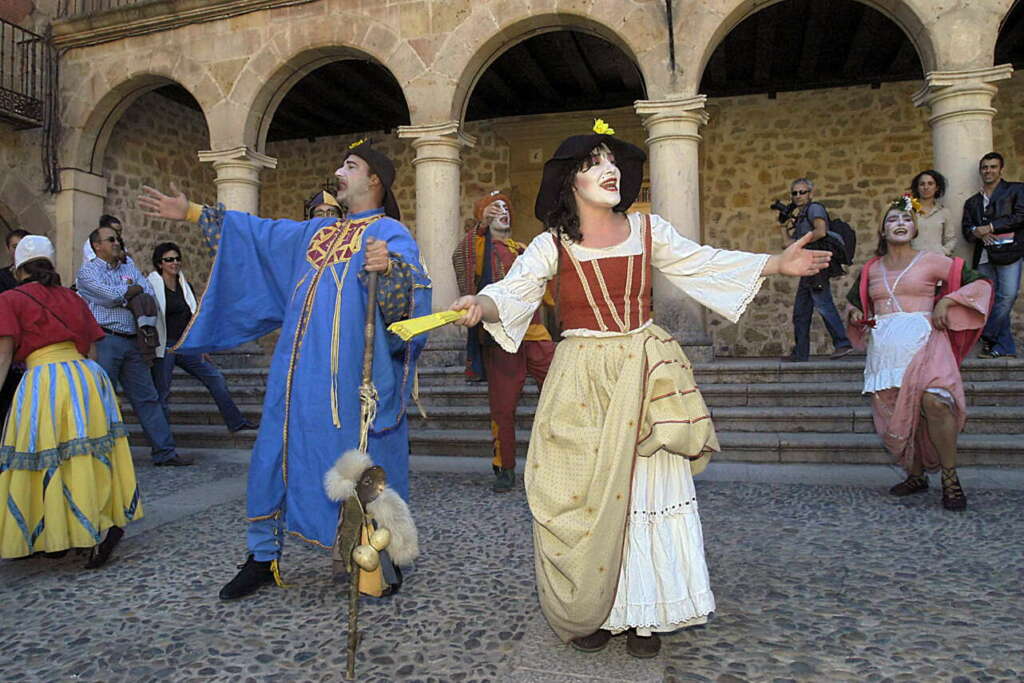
(953, 496)
(914, 483)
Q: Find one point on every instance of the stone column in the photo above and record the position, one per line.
(438, 187)
(673, 144)
(238, 176)
(79, 207)
(961, 120)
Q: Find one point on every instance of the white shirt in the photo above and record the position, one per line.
(724, 281)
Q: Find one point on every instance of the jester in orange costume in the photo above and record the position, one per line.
(485, 256)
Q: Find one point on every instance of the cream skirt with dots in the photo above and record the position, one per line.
(619, 428)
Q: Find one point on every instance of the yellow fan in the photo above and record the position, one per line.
(407, 329)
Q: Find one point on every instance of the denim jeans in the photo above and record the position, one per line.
(998, 332)
(807, 301)
(120, 358)
(205, 372)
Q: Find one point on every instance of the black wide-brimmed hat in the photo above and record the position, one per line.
(629, 158)
(383, 168)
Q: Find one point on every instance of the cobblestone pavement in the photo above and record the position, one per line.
(813, 583)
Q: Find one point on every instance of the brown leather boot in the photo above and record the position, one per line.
(595, 642)
(642, 647)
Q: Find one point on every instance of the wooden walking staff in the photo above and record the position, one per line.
(353, 521)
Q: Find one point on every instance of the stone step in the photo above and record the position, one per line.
(973, 449)
(738, 371)
(838, 420)
(778, 394)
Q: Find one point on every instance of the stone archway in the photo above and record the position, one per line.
(904, 14)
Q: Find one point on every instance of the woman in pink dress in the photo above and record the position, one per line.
(921, 313)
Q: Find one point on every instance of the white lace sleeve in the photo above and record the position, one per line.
(724, 281)
(520, 292)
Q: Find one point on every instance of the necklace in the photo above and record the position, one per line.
(893, 302)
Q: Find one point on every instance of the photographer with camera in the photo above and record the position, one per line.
(801, 216)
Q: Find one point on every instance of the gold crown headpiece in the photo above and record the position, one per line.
(602, 128)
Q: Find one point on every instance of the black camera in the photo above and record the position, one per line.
(785, 210)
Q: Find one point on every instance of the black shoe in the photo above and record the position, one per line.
(793, 359)
(178, 460)
(245, 425)
(912, 484)
(505, 481)
(101, 552)
(953, 496)
(642, 647)
(253, 576)
(595, 642)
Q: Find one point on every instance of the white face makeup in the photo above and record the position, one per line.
(353, 179)
(898, 227)
(598, 185)
(500, 216)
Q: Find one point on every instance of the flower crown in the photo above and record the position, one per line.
(905, 202)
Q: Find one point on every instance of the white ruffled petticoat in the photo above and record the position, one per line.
(892, 345)
(663, 581)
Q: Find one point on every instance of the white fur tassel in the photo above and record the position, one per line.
(340, 480)
(391, 512)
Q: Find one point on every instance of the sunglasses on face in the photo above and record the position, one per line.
(112, 240)
(171, 259)
(800, 193)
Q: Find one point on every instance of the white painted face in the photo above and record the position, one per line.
(598, 183)
(353, 179)
(898, 227)
(501, 218)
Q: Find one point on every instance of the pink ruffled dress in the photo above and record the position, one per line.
(906, 356)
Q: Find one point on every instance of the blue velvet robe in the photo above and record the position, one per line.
(272, 274)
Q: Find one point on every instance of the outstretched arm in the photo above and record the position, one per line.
(159, 205)
(796, 261)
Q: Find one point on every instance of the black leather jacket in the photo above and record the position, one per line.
(1006, 214)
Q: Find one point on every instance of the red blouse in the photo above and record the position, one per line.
(33, 327)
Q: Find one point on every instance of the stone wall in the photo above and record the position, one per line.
(23, 203)
(861, 147)
(155, 143)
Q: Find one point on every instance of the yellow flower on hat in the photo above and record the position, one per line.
(602, 128)
(357, 143)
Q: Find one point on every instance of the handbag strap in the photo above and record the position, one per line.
(46, 308)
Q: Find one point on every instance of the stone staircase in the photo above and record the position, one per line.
(764, 410)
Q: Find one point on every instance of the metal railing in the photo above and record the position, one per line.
(26, 63)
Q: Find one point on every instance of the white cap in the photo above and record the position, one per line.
(32, 247)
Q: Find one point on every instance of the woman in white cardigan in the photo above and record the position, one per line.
(177, 304)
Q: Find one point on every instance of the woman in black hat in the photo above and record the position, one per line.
(617, 538)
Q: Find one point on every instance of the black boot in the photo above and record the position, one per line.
(100, 553)
(505, 480)
(251, 578)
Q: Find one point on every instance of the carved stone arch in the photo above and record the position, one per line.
(469, 53)
(89, 121)
(700, 45)
(272, 72)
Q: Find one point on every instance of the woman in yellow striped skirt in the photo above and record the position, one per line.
(66, 474)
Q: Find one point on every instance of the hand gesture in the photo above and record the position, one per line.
(797, 261)
(940, 314)
(473, 310)
(492, 211)
(155, 203)
(377, 258)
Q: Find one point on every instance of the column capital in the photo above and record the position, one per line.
(446, 132)
(240, 155)
(83, 181)
(677, 118)
(942, 84)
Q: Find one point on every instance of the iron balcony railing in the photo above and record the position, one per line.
(26, 64)
(67, 9)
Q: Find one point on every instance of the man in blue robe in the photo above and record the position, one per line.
(308, 279)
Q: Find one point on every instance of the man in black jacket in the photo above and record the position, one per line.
(994, 221)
